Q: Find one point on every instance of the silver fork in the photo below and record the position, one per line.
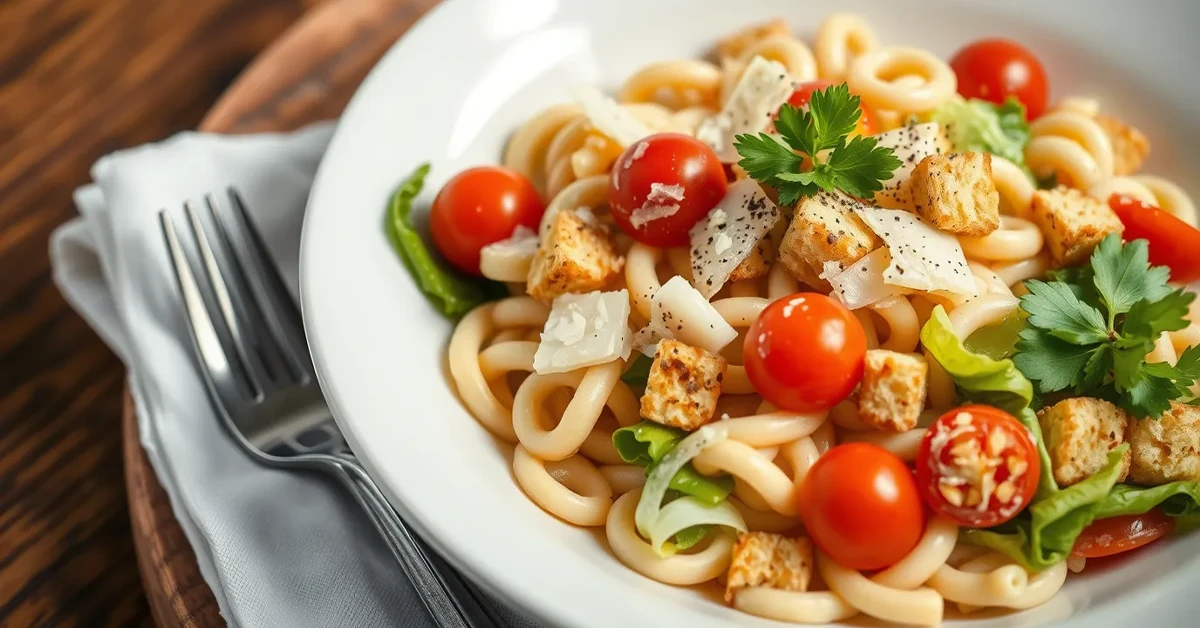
(249, 340)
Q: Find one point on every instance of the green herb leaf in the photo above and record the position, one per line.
(1148, 318)
(451, 293)
(1053, 307)
(855, 166)
(639, 371)
(1055, 364)
(1123, 275)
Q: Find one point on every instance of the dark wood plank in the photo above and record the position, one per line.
(79, 78)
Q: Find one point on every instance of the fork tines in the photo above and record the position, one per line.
(246, 328)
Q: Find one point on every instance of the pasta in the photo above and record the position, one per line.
(561, 384)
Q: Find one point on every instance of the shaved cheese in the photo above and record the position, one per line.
(584, 330)
(509, 259)
(729, 234)
(608, 117)
(862, 284)
(923, 258)
(911, 144)
(662, 201)
(679, 312)
(764, 86)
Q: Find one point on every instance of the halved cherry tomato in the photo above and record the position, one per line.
(805, 352)
(978, 465)
(674, 179)
(994, 69)
(803, 93)
(1115, 535)
(861, 507)
(480, 206)
(1173, 242)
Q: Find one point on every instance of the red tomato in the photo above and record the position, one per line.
(978, 466)
(805, 352)
(800, 98)
(480, 206)
(994, 69)
(860, 505)
(1114, 535)
(662, 171)
(1173, 242)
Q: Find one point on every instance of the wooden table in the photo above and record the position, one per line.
(78, 79)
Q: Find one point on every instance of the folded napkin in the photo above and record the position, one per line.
(277, 548)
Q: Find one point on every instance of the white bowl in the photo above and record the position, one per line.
(452, 90)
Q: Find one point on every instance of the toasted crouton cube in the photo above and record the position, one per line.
(683, 386)
(1073, 223)
(1166, 449)
(763, 559)
(893, 390)
(1131, 147)
(575, 256)
(1079, 434)
(757, 264)
(824, 229)
(734, 45)
(955, 193)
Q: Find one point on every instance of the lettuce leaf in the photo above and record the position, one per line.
(1177, 499)
(450, 292)
(998, 341)
(688, 537)
(1044, 535)
(977, 125)
(647, 442)
(639, 372)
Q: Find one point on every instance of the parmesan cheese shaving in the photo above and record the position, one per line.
(862, 284)
(509, 259)
(679, 312)
(922, 258)
(911, 144)
(608, 117)
(729, 234)
(584, 330)
(764, 86)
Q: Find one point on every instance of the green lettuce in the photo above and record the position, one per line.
(639, 372)
(451, 293)
(645, 444)
(977, 125)
(998, 341)
(688, 537)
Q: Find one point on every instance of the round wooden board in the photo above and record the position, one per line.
(306, 76)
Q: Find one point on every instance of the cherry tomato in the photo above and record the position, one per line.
(661, 172)
(800, 98)
(1173, 242)
(805, 352)
(1115, 535)
(978, 465)
(861, 507)
(994, 69)
(480, 206)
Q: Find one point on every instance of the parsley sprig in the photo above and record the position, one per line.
(857, 166)
(1090, 328)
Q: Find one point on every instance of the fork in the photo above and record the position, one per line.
(249, 341)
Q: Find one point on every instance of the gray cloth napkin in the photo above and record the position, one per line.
(278, 548)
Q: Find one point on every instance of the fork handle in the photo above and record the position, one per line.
(451, 602)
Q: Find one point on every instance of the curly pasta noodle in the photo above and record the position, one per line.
(677, 84)
(874, 75)
(841, 38)
(571, 489)
(1017, 239)
(790, 52)
(1072, 145)
(594, 388)
(1152, 190)
(681, 569)
(1015, 188)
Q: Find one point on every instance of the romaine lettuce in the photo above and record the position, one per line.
(978, 125)
(646, 443)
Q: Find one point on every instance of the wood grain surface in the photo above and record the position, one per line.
(78, 79)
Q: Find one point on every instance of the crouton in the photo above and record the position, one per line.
(734, 45)
(763, 559)
(1073, 223)
(955, 193)
(1079, 433)
(1166, 449)
(1130, 146)
(757, 264)
(575, 256)
(893, 390)
(683, 386)
(824, 229)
